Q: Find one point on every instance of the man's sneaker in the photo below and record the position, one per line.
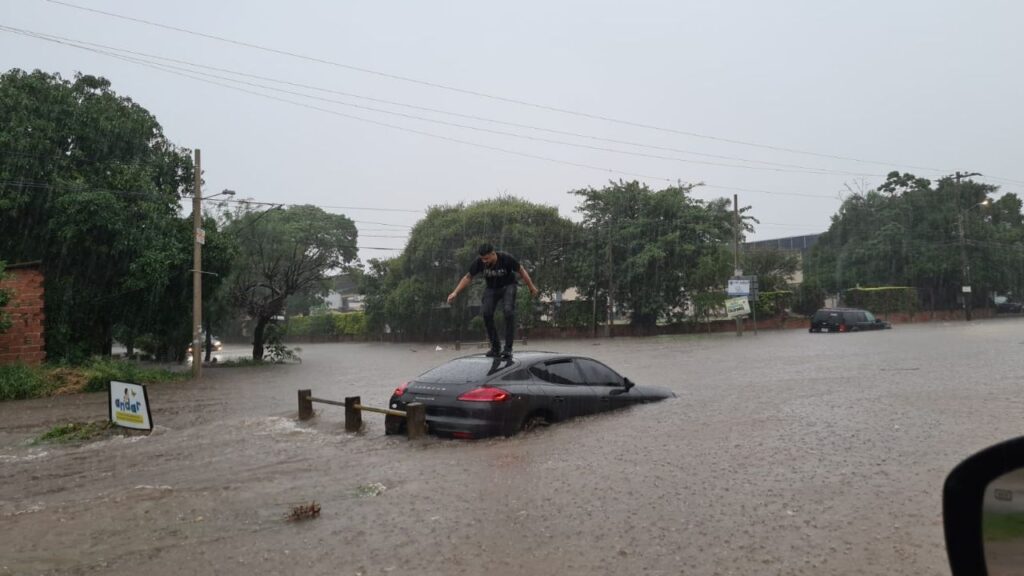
(506, 353)
(492, 353)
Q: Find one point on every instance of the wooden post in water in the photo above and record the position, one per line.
(305, 404)
(416, 420)
(353, 417)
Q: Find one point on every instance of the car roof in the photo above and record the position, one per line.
(521, 360)
(529, 357)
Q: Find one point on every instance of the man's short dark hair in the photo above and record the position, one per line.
(485, 249)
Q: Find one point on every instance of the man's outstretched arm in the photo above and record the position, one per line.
(529, 281)
(462, 286)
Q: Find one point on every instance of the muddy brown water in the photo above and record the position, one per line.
(786, 453)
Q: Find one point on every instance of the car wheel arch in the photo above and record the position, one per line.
(530, 421)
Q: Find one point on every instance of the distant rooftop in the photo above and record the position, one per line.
(793, 243)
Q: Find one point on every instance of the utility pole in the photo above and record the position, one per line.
(610, 306)
(965, 266)
(197, 269)
(736, 249)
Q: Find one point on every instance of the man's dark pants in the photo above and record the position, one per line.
(507, 295)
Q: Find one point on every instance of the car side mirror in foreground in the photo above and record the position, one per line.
(628, 383)
(983, 512)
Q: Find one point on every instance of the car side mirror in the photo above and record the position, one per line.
(628, 384)
(983, 511)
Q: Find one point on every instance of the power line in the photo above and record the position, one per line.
(484, 94)
(773, 192)
(384, 124)
(45, 185)
(513, 152)
(291, 205)
(85, 44)
(402, 128)
(83, 188)
(424, 133)
(42, 185)
(801, 170)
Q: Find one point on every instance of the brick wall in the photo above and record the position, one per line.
(23, 341)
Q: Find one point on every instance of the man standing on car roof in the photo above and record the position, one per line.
(499, 271)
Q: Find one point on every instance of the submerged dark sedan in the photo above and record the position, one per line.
(476, 396)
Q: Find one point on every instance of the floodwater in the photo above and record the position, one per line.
(785, 453)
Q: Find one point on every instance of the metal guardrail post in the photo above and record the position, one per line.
(353, 417)
(305, 404)
(416, 420)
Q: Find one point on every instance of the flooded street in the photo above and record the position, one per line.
(785, 453)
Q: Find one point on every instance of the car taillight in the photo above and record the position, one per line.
(842, 327)
(401, 389)
(485, 394)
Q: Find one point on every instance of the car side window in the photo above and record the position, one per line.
(558, 372)
(597, 374)
(516, 376)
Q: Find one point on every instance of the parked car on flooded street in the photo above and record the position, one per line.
(846, 320)
(477, 396)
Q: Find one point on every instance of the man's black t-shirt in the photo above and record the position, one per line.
(501, 274)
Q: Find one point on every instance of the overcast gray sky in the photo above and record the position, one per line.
(925, 83)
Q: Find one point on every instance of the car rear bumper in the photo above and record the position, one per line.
(464, 420)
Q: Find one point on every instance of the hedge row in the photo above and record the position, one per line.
(327, 324)
(883, 299)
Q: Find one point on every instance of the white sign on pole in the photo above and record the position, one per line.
(736, 307)
(129, 406)
(738, 287)
(966, 289)
(200, 236)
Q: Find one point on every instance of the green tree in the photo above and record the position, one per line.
(161, 311)
(772, 267)
(906, 233)
(407, 293)
(90, 185)
(652, 250)
(282, 252)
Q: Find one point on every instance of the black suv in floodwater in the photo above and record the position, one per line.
(846, 320)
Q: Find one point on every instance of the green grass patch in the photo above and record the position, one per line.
(1007, 526)
(75, 432)
(20, 381)
(99, 372)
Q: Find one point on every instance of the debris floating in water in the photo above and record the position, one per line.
(374, 489)
(304, 512)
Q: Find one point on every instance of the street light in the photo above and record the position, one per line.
(225, 192)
